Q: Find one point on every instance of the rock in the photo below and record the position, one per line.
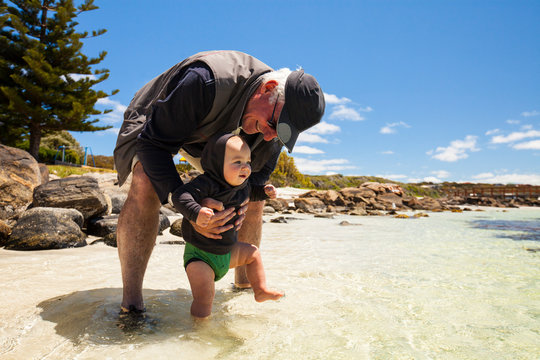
(268, 210)
(357, 194)
(109, 240)
(103, 225)
(374, 186)
(374, 213)
(173, 242)
(164, 210)
(401, 216)
(419, 215)
(164, 223)
(390, 200)
(44, 173)
(5, 230)
(47, 228)
(279, 220)
(176, 228)
(81, 193)
(325, 216)
(430, 204)
(117, 202)
(278, 204)
(19, 175)
(412, 202)
(310, 205)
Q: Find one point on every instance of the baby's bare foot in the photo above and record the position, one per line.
(264, 295)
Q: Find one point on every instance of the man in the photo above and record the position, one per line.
(208, 93)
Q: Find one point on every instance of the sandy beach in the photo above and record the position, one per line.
(380, 288)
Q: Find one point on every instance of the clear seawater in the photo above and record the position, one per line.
(449, 286)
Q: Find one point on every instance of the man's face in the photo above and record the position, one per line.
(237, 161)
(258, 113)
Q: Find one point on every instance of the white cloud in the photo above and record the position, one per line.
(366, 109)
(308, 166)
(512, 122)
(443, 174)
(530, 113)
(529, 145)
(393, 176)
(311, 138)
(390, 128)
(387, 152)
(117, 113)
(527, 127)
(483, 176)
(515, 136)
(324, 128)
(306, 150)
(331, 99)
(457, 150)
(492, 132)
(531, 179)
(342, 112)
(432, 179)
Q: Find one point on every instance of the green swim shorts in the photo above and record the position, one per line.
(218, 263)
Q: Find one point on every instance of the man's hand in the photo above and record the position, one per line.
(216, 224)
(241, 215)
(270, 191)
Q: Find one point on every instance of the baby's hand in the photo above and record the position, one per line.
(204, 216)
(270, 190)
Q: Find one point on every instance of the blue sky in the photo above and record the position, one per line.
(415, 90)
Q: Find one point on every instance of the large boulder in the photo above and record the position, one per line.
(357, 194)
(390, 201)
(19, 175)
(428, 203)
(105, 225)
(5, 230)
(309, 205)
(278, 204)
(47, 228)
(412, 202)
(80, 192)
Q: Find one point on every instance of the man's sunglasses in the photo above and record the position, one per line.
(272, 122)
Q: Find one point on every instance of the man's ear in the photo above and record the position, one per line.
(269, 86)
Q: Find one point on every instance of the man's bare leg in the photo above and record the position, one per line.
(251, 233)
(136, 235)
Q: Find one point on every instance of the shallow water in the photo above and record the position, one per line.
(451, 286)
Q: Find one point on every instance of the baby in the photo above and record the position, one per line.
(226, 164)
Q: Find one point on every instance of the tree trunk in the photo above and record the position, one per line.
(35, 140)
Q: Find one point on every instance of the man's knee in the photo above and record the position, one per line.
(141, 189)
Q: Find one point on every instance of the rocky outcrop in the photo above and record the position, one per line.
(309, 204)
(80, 192)
(47, 228)
(5, 231)
(19, 175)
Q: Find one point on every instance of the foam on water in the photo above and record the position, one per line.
(441, 287)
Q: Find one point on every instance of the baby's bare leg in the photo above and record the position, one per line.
(201, 280)
(249, 255)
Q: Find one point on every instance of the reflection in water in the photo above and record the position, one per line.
(513, 229)
(91, 317)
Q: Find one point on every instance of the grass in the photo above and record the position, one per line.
(64, 171)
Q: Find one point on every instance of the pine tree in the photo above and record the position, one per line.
(45, 79)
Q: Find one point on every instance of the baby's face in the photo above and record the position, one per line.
(237, 163)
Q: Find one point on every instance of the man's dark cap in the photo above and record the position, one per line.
(304, 107)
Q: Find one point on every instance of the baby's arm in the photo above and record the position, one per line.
(204, 216)
(270, 191)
